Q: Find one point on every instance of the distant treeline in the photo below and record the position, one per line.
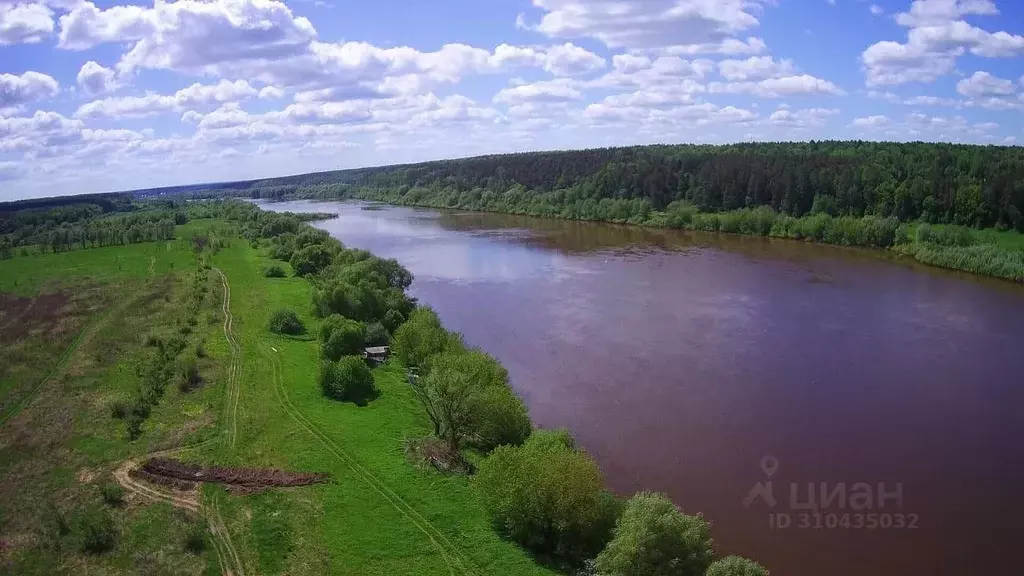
(61, 224)
(980, 186)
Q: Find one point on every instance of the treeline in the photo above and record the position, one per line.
(82, 226)
(980, 186)
(145, 225)
(541, 489)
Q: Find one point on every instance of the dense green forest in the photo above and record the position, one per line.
(980, 186)
(76, 222)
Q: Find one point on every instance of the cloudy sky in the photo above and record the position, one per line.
(98, 96)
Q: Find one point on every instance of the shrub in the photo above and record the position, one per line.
(133, 426)
(200, 350)
(735, 566)
(113, 494)
(340, 336)
(286, 322)
(548, 497)
(348, 379)
(274, 271)
(188, 373)
(311, 259)
(376, 335)
(195, 538)
(654, 538)
(119, 408)
(94, 529)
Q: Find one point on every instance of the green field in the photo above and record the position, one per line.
(59, 445)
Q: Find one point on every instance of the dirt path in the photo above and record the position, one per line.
(187, 500)
(233, 389)
(457, 564)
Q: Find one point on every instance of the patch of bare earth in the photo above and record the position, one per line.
(230, 475)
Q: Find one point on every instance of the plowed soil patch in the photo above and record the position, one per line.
(232, 476)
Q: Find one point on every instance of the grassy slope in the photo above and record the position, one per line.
(380, 515)
(62, 447)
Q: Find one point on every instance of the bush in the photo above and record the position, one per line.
(188, 373)
(286, 322)
(200, 350)
(113, 494)
(340, 336)
(274, 271)
(735, 566)
(548, 497)
(376, 335)
(119, 408)
(94, 529)
(195, 538)
(348, 379)
(654, 538)
(311, 260)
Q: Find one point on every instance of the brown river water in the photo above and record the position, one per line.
(831, 411)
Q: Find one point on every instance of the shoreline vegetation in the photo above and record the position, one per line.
(986, 252)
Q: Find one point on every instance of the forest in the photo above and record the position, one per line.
(68, 223)
(978, 186)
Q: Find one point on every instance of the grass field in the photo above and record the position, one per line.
(378, 515)
(73, 350)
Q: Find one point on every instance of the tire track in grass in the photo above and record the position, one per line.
(227, 555)
(222, 537)
(123, 477)
(449, 553)
(236, 352)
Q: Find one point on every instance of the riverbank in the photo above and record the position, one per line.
(986, 252)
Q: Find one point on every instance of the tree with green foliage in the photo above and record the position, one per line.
(286, 322)
(340, 336)
(392, 320)
(549, 497)
(311, 259)
(420, 337)
(348, 379)
(654, 538)
(501, 418)
(377, 335)
(735, 566)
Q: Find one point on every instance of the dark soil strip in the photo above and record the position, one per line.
(175, 483)
(232, 476)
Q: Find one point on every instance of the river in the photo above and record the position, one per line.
(713, 368)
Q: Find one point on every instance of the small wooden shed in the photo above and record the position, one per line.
(376, 354)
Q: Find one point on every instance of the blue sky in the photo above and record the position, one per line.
(114, 95)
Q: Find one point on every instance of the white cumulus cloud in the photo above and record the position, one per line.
(17, 90)
(26, 23)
